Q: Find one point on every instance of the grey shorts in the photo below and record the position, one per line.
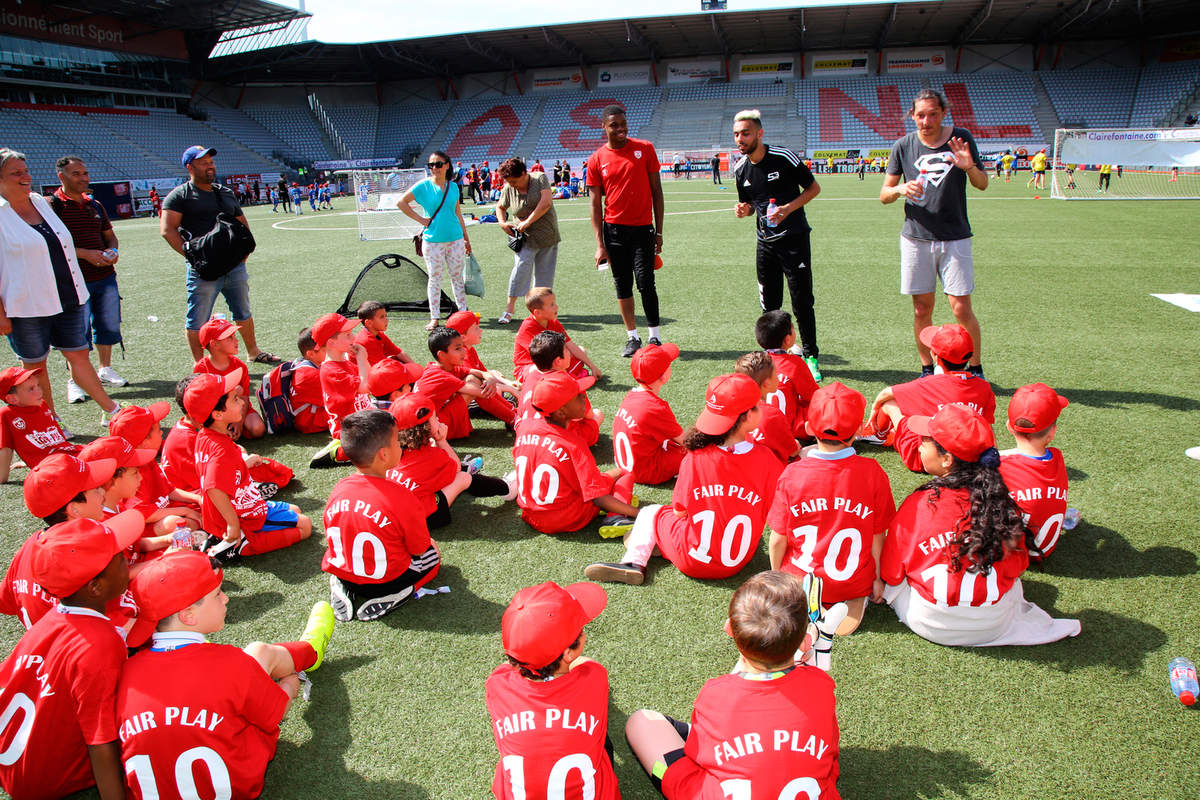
(923, 262)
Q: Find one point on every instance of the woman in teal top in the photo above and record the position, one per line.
(446, 245)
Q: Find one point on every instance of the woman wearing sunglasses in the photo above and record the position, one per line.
(445, 242)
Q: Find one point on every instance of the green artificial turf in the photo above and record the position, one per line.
(1063, 296)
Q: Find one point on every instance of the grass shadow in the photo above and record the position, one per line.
(475, 521)
(1103, 398)
(907, 771)
(247, 607)
(460, 611)
(1095, 552)
(886, 376)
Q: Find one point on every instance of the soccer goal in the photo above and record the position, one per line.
(376, 193)
(1126, 164)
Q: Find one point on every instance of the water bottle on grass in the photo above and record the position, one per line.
(1183, 680)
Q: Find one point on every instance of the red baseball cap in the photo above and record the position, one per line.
(329, 325)
(204, 392)
(411, 410)
(134, 423)
(119, 450)
(388, 375)
(58, 477)
(728, 397)
(835, 412)
(12, 377)
(948, 342)
(462, 321)
(1037, 403)
(960, 431)
(216, 329)
(64, 557)
(556, 390)
(544, 620)
(172, 582)
(651, 361)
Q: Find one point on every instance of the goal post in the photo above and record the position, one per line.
(1126, 164)
(376, 193)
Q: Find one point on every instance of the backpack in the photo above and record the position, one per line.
(275, 396)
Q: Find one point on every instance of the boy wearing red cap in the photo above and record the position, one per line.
(647, 439)
(1035, 473)
(27, 425)
(390, 379)
(62, 675)
(233, 510)
(549, 704)
(305, 400)
(768, 729)
(378, 547)
(430, 468)
(228, 723)
(344, 378)
(373, 335)
(445, 384)
(773, 431)
(832, 507)
(719, 506)
(955, 551)
(548, 351)
(219, 337)
(798, 376)
(543, 316)
(952, 347)
(559, 487)
(499, 406)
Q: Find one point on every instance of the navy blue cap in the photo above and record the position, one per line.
(197, 151)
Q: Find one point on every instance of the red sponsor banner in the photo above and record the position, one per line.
(66, 26)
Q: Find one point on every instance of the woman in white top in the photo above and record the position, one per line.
(42, 291)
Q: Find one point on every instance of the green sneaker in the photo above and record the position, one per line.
(813, 367)
(326, 456)
(318, 631)
(615, 525)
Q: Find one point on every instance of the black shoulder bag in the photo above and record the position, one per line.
(217, 252)
(418, 240)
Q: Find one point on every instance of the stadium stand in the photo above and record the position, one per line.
(1161, 87)
(857, 112)
(245, 129)
(487, 127)
(570, 123)
(293, 124)
(1091, 98)
(408, 127)
(357, 125)
(994, 105)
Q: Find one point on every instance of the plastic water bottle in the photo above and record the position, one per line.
(771, 209)
(1071, 518)
(1183, 680)
(923, 182)
(181, 537)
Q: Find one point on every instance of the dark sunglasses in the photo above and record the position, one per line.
(436, 164)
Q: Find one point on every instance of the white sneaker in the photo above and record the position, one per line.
(796, 350)
(109, 375)
(107, 416)
(511, 480)
(339, 598)
(75, 392)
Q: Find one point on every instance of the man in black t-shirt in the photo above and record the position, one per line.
(715, 163)
(936, 161)
(192, 208)
(765, 173)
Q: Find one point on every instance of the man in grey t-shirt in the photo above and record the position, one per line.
(936, 162)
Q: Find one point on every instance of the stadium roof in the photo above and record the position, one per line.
(850, 27)
(212, 16)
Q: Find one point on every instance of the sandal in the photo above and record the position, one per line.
(433, 323)
(264, 357)
(505, 318)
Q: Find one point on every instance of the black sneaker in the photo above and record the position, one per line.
(326, 456)
(976, 369)
(224, 552)
(633, 574)
(267, 489)
(615, 525)
(654, 340)
(376, 607)
(926, 370)
(632, 345)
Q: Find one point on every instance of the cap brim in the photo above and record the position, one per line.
(714, 424)
(350, 325)
(226, 333)
(99, 471)
(591, 598)
(231, 380)
(671, 349)
(142, 457)
(927, 334)
(126, 527)
(919, 425)
(162, 408)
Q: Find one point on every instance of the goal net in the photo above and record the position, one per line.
(1126, 164)
(376, 193)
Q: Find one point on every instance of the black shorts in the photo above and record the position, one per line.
(422, 569)
(630, 255)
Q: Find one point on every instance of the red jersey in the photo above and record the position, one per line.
(474, 361)
(1039, 487)
(642, 432)
(154, 491)
(557, 478)
(205, 366)
(33, 433)
(551, 735)
(775, 433)
(308, 399)
(377, 345)
(372, 530)
(530, 328)
(342, 392)
(525, 408)
(924, 396)
(796, 388)
(831, 510)
(424, 472)
(722, 496)
(179, 456)
(220, 466)
(223, 732)
(441, 387)
(916, 549)
(624, 177)
(61, 682)
(755, 739)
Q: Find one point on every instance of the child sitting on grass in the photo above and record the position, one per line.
(389, 380)
(543, 315)
(769, 729)
(1034, 472)
(373, 335)
(27, 425)
(502, 404)
(548, 703)
(647, 439)
(442, 384)
(776, 334)
(773, 431)
(219, 337)
(548, 350)
(344, 377)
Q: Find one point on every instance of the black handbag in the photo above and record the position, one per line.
(419, 240)
(517, 241)
(214, 254)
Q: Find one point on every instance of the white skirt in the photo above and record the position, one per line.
(1011, 620)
